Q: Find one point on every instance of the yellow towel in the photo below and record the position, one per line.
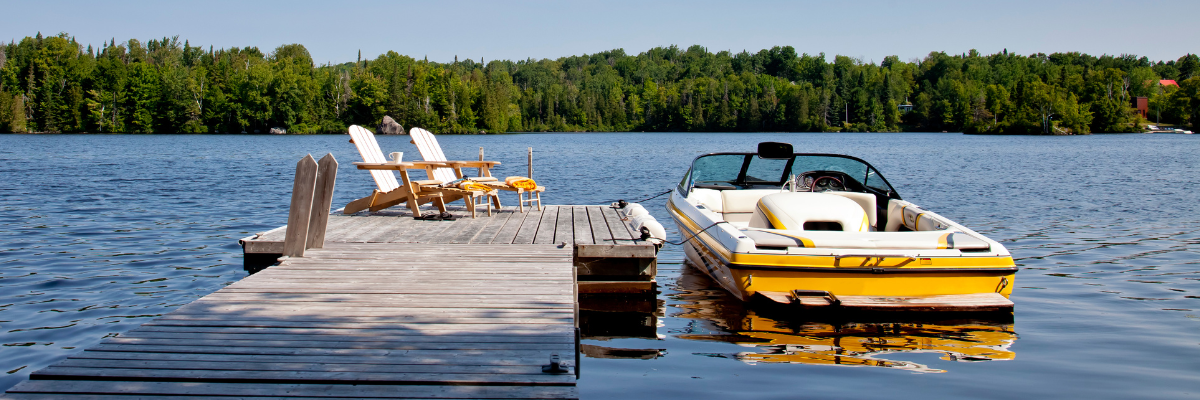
(472, 185)
(520, 182)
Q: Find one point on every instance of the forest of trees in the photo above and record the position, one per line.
(54, 84)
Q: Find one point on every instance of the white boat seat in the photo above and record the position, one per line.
(924, 240)
(737, 206)
(901, 213)
(801, 211)
(866, 200)
(709, 198)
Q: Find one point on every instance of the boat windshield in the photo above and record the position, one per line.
(729, 171)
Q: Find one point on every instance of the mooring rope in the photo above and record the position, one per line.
(639, 201)
(694, 234)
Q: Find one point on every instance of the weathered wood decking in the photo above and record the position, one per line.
(360, 320)
(551, 225)
(608, 257)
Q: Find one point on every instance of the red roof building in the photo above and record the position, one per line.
(1168, 82)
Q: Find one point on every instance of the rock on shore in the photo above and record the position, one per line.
(389, 126)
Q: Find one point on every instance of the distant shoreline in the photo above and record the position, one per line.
(546, 132)
(54, 83)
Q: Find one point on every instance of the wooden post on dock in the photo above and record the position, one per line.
(322, 201)
(530, 163)
(300, 213)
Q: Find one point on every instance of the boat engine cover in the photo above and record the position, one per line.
(790, 211)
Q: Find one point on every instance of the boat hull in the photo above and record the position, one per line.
(745, 274)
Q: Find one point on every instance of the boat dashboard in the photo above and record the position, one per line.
(824, 181)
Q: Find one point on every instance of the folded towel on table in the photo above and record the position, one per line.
(520, 182)
(472, 185)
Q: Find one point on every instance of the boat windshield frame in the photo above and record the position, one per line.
(744, 180)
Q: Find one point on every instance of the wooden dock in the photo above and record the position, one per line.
(352, 320)
(552, 225)
(609, 259)
(377, 305)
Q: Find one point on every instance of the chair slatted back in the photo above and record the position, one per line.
(431, 151)
(369, 149)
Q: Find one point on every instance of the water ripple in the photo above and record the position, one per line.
(99, 234)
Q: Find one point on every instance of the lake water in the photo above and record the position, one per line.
(99, 234)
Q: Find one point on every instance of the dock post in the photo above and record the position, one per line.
(530, 163)
(296, 237)
(575, 293)
(322, 201)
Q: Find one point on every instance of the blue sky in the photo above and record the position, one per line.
(513, 29)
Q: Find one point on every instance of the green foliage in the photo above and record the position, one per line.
(1187, 100)
(52, 84)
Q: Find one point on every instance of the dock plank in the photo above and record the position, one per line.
(582, 225)
(386, 345)
(466, 230)
(620, 232)
(341, 338)
(486, 232)
(325, 374)
(383, 232)
(564, 230)
(427, 358)
(398, 226)
(453, 229)
(512, 230)
(355, 319)
(545, 228)
(352, 225)
(59, 388)
(600, 232)
(423, 231)
(299, 366)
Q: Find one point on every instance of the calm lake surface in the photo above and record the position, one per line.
(99, 234)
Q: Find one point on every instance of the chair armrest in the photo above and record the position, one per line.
(473, 164)
(460, 164)
(391, 166)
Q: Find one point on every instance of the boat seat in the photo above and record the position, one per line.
(866, 200)
(808, 211)
(737, 206)
(902, 213)
(709, 198)
(925, 240)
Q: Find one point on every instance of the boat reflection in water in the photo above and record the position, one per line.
(787, 335)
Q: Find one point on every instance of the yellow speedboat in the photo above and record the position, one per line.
(828, 230)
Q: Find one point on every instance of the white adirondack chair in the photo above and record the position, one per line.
(391, 192)
(430, 150)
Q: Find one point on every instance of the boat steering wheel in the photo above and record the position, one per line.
(828, 186)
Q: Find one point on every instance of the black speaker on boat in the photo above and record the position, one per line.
(775, 150)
